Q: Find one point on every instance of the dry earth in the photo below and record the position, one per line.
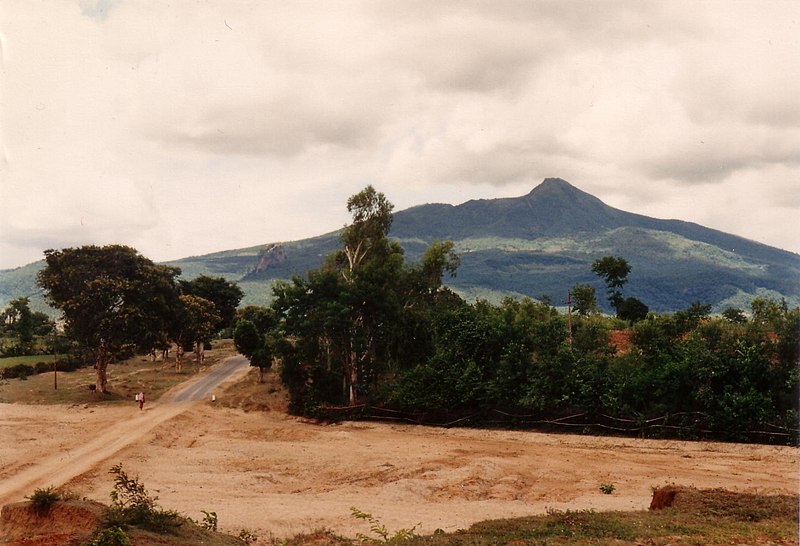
(278, 475)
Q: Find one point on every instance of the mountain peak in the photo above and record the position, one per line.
(554, 186)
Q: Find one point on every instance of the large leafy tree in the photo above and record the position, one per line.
(195, 321)
(111, 298)
(350, 323)
(255, 343)
(224, 294)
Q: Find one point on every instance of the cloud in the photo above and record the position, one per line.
(187, 127)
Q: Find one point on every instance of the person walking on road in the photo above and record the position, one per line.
(140, 399)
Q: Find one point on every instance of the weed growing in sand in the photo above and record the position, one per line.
(379, 529)
(248, 537)
(607, 488)
(209, 521)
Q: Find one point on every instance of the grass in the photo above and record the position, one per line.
(9, 361)
(699, 517)
(125, 379)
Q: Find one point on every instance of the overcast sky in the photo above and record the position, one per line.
(186, 127)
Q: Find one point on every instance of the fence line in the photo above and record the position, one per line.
(663, 426)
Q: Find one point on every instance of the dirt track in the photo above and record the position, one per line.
(275, 474)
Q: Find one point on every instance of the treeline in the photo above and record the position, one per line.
(116, 303)
(372, 332)
(23, 332)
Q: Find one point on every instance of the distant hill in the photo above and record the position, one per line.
(537, 245)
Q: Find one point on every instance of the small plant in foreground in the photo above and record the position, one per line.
(43, 499)
(248, 537)
(209, 521)
(377, 528)
(131, 505)
(607, 488)
(112, 536)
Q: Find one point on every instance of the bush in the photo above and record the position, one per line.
(19, 371)
(43, 499)
(131, 505)
(42, 367)
(69, 363)
(112, 536)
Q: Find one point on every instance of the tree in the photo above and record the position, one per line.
(254, 345)
(351, 323)
(584, 299)
(632, 310)
(372, 218)
(224, 294)
(691, 317)
(614, 272)
(17, 321)
(111, 298)
(196, 320)
(734, 315)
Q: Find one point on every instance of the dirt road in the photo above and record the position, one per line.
(37, 468)
(278, 475)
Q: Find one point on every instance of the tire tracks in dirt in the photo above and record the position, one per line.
(58, 469)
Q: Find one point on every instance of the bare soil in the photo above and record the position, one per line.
(278, 475)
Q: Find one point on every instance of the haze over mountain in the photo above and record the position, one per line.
(538, 245)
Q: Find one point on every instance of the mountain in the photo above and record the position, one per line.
(540, 244)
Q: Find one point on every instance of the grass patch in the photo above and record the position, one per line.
(125, 379)
(8, 361)
(698, 517)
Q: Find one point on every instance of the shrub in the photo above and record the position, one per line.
(19, 371)
(43, 499)
(131, 505)
(209, 521)
(111, 536)
(379, 529)
(607, 488)
(69, 363)
(42, 367)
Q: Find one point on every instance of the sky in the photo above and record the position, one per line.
(186, 127)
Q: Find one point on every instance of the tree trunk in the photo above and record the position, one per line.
(101, 365)
(353, 378)
(260, 374)
(179, 357)
(199, 351)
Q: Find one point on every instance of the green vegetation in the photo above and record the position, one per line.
(29, 360)
(134, 517)
(607, 488)
(116, 302)
(22, 330)
(700, 517)
(43, 499)
(371, 336)
(379, 531)
(541, 243)
(131, 505)
(130, 376)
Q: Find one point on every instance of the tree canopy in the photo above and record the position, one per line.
(111, 297)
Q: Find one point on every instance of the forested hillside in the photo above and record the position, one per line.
(370, 334)
(537, 245)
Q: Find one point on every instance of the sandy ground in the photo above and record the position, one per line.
(278, 475)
